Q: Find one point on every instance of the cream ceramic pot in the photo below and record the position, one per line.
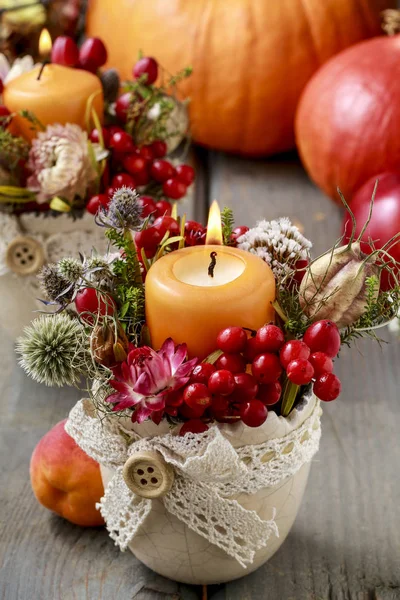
(170, 548)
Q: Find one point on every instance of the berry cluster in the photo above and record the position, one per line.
(248, 376)
(90, 56)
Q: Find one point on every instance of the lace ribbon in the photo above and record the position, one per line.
(208, 472)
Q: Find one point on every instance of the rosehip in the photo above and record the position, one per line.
(254, 413)
(122, 179)
(231, 362)
(163, 207)
(221, 382)
(270, 338)
(246, 388)
(201, 373)
(197, 394)
(232, 339)
(122, 142)
(185, 173)
(237, 232)
(94, 52)
(89, 303)
(146, 66)
(96, 202)
(323, 336)
(270, 393)
(266, 367)
(173, 188)
(161, 170)
(321, 362)
(134, 164)
(159, 148)
(94, 136)
(122, 106)
(193, 426)
(148, 205)
(292, 350)
(327, 387)
(300, 371)
(64, 51)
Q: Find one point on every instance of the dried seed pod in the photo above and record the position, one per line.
(335, 285)
(107, 347)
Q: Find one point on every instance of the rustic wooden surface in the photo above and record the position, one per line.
(345, 544)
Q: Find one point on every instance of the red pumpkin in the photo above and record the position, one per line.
(348, 118)
(250, 59)
(385, 221)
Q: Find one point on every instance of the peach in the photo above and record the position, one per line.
(65, 479)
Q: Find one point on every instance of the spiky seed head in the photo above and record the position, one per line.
(124, 210)
(71, 269)
(56, 287)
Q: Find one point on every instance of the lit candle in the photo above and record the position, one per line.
(60, 95)
(191, 294)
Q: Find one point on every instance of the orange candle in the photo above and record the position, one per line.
(59, 96)
(185, 303)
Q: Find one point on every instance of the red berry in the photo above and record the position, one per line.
(187, 412)
(134, 164)
(270, 338)
(193, 426)
(114, 129)
(185, 173)
(232, 339)
(163, 208)
(159, 148)
(201, 373)
(237, 232)
(254, 413)
(300, 271)
(173, 188)
(270, 393)
(197, 394)
(323, 336)
(122, 106)
(94, 136)
(246, 388)
(266, 367)
(147, 153)
(110, 191)
(89, 303)
(300, 371)
(219, 407)
(221, 382)
(292, 350)
(321, 362)
(231, 362)
(93, 51)
(148, 205)
(146, 66)
(122, 142)
(195, 233)
(65, 51)
(143, 177)
(174, 398)
(327, 387)
(123, 179)
(161, 170)
(148, 238)
(166, 223)
(251, 349)
(96, 202)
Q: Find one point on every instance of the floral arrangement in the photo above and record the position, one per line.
(70, 169)
(97, 328)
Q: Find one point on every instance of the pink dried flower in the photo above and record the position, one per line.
(60, 163)
(146, 377)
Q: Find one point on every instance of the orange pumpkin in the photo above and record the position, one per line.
(250, 60)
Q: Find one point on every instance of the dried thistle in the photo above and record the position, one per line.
(124, 211)
(71, 269)
(56, 287)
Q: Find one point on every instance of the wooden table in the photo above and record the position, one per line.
(345, 544)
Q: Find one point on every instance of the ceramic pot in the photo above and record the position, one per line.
(170, 548)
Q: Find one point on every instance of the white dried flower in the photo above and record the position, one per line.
(60, 163)
(9, 72)
(277, 242)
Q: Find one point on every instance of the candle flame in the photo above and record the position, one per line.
(214, 226)
(45, 43)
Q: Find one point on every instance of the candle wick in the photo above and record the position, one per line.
(44, 63)
(212, 264)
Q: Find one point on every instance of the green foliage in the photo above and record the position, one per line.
(228, 223)
(12, 149)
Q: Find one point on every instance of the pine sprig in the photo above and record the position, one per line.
(228, 223)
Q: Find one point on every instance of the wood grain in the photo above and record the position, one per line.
(345, 544)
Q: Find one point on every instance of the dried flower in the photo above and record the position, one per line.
(56, 287)
(9, 72)
(98, 269)
(124, 211)
(71, 269)
(335, 285)
(277, 242)
(109, 344)
(54, 350)
(145, 378)
(60, 163)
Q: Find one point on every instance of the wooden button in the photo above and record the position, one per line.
(148, 475)
(24, 256)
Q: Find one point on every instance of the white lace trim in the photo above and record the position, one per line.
(208, 472)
